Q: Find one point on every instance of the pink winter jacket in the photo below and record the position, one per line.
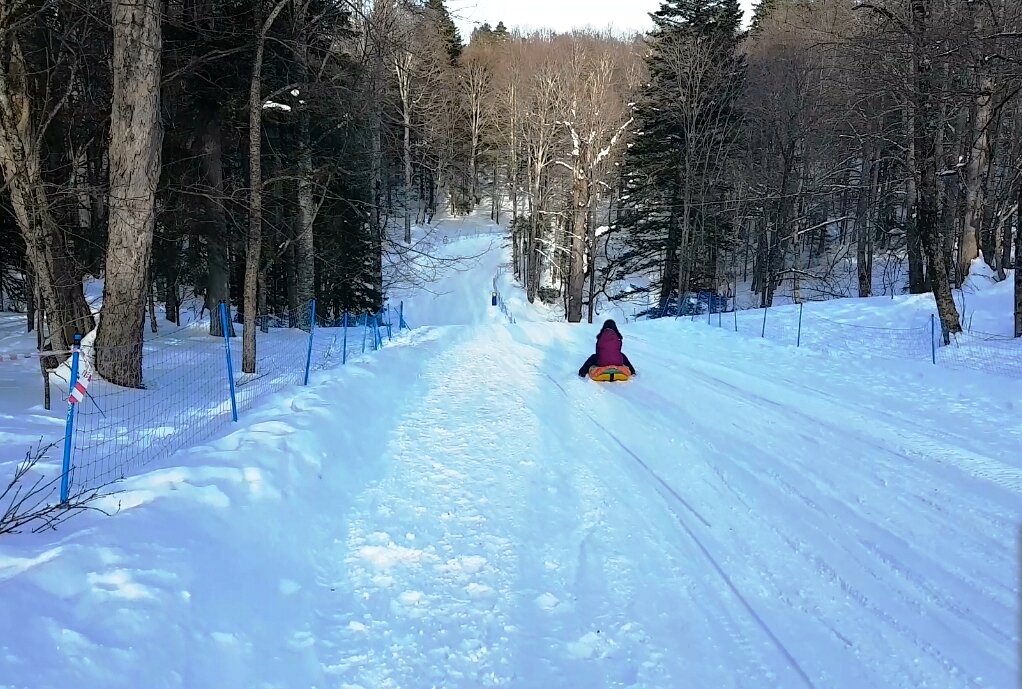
(608, 349)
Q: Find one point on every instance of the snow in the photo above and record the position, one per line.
(461, 510)
(904, 326)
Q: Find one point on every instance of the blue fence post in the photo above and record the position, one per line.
(933, 339)
(401, 316)
(390, 334)
(69, 424)
(312, 332)
(763, 332)
(225, 326)
(378, 344)
(365, 331)
(798, 340)
(344, 355)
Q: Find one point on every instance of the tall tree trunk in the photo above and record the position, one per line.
(403, 69)
(759, 266)
(862, 224)
(58, 283)
(533, 266)
(1018, 260)
(577, 239)
(376, 124)
(407, 154)
(975, 176)
(253, 252)
(292, 279)
(495, 196)
(916, 279)
(925, 126)
(516, 252)
(776, 234)
(591, 253)
(30, 300)
(305, 245)
(136, 144)
(218, 276)
(669, 280)
(773, 264)
(262, 313)
(172, 302)
(474, 154)
(1004, 245)
(513, 192)
(684, 254)
(153, 324)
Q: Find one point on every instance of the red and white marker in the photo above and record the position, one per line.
(78, 392)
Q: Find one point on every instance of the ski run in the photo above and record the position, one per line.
(460, 509)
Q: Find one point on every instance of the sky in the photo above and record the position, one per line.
(559, 15)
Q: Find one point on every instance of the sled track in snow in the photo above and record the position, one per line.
(915, 452)
(698, 542)
(653, 474)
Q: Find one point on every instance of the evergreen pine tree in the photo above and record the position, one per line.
(448, 29)
(673, 172)
(482, 32)
(759, 13)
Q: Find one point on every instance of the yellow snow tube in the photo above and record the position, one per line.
(610, 374)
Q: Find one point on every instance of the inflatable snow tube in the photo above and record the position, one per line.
(610, 374)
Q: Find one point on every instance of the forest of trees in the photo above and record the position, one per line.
(829, 134)
(266, 152)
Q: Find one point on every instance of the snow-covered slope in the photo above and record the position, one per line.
(450, 282)
(461, 510)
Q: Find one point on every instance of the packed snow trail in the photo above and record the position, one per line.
(461, 510)
(680, 530)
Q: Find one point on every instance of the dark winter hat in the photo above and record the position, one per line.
(609, 324)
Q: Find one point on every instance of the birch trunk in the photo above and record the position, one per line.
(136, 143)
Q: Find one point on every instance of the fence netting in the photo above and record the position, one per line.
(804, 326)
(187, 390)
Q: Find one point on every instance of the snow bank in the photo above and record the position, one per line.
(208, 574)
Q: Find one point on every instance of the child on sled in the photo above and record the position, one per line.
(608, 351)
